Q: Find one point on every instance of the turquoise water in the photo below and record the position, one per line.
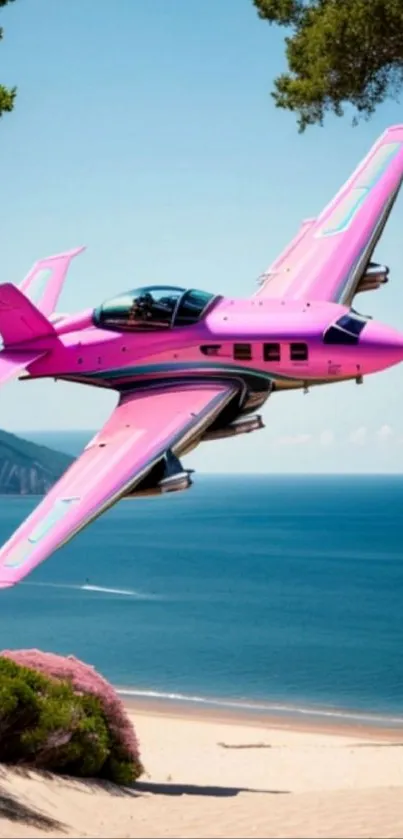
(281, 591)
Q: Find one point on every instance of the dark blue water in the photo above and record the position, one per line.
(281, 591)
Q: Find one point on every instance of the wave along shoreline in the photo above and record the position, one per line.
(282, 711)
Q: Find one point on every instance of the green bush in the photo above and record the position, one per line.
(44, 723)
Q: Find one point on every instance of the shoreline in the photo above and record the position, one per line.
(210, 711)
(221, 772)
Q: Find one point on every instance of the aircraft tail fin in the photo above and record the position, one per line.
(25, 312)
(44, 283)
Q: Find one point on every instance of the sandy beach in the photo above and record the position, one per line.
(210, 775)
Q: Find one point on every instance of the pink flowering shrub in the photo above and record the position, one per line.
(123, 763)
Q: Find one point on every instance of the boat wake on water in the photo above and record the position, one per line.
(119, 592)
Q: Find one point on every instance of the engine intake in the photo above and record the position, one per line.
(375, 276)
(167, 475)
(242, 425)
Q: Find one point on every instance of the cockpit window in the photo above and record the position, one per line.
(152, 307)
(191, 307)
(352, 323)
(346, 330)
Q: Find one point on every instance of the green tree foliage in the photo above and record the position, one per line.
(7, 94)
(338, 52)
(44, 723)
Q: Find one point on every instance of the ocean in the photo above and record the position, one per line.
(279, 593)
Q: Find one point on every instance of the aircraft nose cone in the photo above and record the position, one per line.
(382, 339)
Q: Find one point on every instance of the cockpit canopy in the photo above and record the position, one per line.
(153, 307)
(346, 330)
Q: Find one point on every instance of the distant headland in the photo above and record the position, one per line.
(28, 469)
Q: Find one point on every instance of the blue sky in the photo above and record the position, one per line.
(146, 131)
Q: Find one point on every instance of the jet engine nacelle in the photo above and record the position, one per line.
(375, 276)
(167, 475)
(242, 425)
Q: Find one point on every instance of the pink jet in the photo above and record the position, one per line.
(189, 366)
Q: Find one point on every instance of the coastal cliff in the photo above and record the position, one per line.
(28, 469)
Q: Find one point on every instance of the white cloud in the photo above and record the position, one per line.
(293, 440)
(384, 433)
(326, 438)
(359, 436)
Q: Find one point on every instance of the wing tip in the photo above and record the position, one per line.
(391, 131)
(44, 262)
(67, 254)
(7, 583)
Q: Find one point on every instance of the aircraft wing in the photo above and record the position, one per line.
(329, 255)
(142, 428)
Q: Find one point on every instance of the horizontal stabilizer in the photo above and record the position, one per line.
(20, 320)
(12, 363)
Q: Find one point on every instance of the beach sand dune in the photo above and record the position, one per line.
(223, 777)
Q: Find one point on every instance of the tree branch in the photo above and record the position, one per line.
(340, 51)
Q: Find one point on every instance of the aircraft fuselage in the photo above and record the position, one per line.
(281, 344)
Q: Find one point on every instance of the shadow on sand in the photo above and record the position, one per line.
(13, 809)
(91, 786)
(197, 789)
